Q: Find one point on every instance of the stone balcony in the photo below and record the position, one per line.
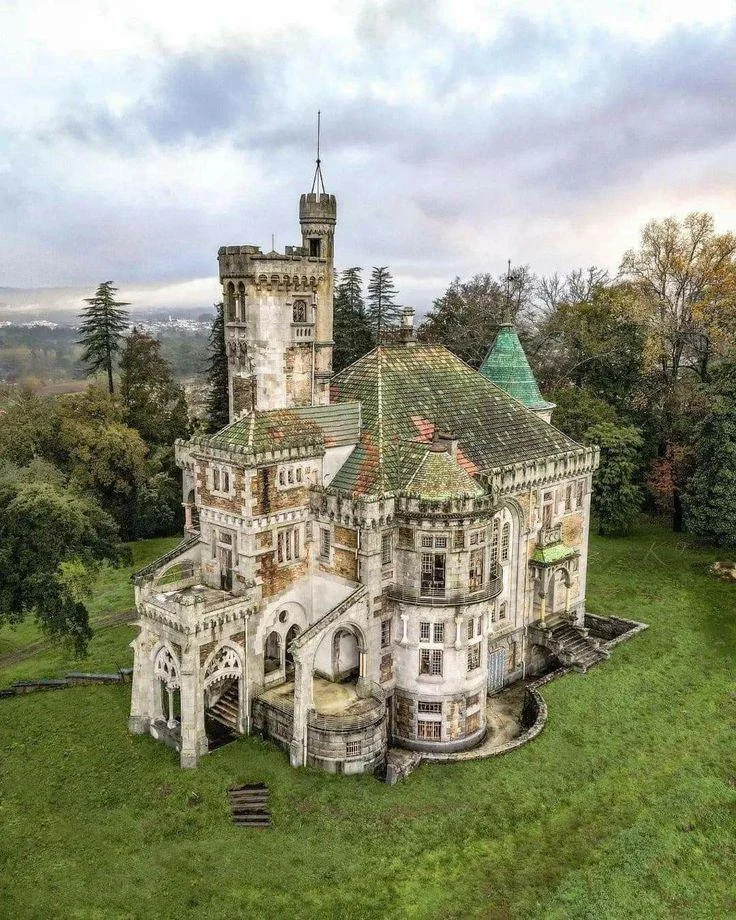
(548, 536)
(302, 333)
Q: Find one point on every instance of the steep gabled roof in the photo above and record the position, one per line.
(409, 391)
(439, 476)
(507, 366)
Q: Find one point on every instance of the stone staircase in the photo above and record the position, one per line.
(574, 647)
(249, 805)
(225, 710)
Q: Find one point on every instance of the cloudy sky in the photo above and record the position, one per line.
(137, 137)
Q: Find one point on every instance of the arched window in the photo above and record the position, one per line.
(241, 302)
(300, 311)
(505, 541)
(494, 540)
(230, 301)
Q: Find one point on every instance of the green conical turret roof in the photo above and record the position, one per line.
(506, 365)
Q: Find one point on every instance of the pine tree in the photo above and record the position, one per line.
(352, 331)
(218, 399)
(104, 322)
(383, 311)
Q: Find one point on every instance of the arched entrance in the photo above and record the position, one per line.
(272, 653)
(223, 693)
(348, 651)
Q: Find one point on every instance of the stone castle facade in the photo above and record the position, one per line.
(369, 556)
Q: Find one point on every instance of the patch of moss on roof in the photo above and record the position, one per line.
(507, 366)
(439, 476)
(548, 555)
(409, 391)
(261, 432)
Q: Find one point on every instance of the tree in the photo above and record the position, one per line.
(579, 408)
(710, 502)
(218, 396)
(617, 497)
(153, 402)
(52, 540)
(467, 316)
(352, 330)
(383, 311)
(103, 325)
(686, 275)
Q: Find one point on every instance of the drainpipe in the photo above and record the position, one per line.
(245, 678)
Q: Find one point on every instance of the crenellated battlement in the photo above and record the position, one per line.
(315, 208)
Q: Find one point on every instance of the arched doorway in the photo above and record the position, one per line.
(272, 653)
(223, 694)
(346, 655)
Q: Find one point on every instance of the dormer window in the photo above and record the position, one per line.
(315, 247)
(300, 311)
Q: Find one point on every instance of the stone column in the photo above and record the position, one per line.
(302, 706)
(143, 687)
(193, 734)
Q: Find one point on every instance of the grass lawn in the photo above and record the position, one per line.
(624, 807)
(109, 648)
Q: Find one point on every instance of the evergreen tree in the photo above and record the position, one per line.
(104, 322)
(352, 331)
(153, 402)
(711, 500)
(616, 496)
(383, 311)
(218, 399)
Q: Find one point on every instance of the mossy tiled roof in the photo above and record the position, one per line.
(259, 432)
(506, 365)
(549, 555)
(282, 429)
(408, 391)
(440, 476)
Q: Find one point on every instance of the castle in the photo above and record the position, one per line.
(369, 556)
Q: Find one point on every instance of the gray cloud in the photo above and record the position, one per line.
(433, 138)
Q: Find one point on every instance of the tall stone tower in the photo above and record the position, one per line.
(278, 315)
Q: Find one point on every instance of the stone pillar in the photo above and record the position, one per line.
(458, 632)
(143, 687)
(193, 734)
(404, 629)
(302, 706)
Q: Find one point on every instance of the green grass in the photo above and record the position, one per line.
(624, 807)
(108, 649)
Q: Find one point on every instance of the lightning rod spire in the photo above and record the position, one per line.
(318, 183)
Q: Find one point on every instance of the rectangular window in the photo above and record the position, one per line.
(568, 498)
(472, 701)
(502, 612)
(425, 662)
(282, 477)
(472, 723)
(474, 656)
(493, 614)
(480, 625)
(324, 543)
(314, 247)
(387, 549)
(424, 631)
(436, 662)
(581, 493)
(425, 706)
(477, 565)
(385, 633)
(440, 542)
(547, 509)
(430, 661)
(426, 541)
(215, 480)
(432, 582)
(299, 474)
(494, 540)
(225, 481)
(459, 540)
(439, 633)
(353, 748)
(290, 477)
(471, 627)
(429, 731)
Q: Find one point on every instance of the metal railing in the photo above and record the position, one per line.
(443, 597)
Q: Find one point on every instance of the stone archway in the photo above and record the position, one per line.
(166, 674)
(224, 683)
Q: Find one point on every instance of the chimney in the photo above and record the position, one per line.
(444, 442)
(407, 325)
